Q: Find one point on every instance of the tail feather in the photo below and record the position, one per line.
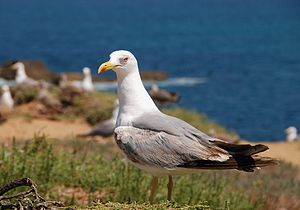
(243, 163)
(243, 157)
(242, 149)
(249, 163)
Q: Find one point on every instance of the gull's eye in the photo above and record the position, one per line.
(125, 59)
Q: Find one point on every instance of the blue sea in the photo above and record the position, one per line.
(245, 53)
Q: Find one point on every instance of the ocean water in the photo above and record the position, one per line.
(247, 52)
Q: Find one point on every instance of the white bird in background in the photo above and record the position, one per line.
(164, 145)
(6, 101)
(291, 134)
(21, 76)
(87, 83)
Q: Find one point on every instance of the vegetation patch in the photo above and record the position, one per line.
(88, 174)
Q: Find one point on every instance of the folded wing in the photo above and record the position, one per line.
(164, 141)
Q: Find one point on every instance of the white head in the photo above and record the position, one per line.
(133, 98)
(121, 61)
(86, 71)
(291, 133)
(19, 65)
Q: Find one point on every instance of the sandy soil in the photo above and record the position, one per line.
(288, 151)
(25, 129)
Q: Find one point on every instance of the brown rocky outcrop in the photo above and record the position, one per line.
(39, 71)
(34, 69)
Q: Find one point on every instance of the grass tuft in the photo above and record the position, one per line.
(24, 94)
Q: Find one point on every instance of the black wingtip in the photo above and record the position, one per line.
(260, 148)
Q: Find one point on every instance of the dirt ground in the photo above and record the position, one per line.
(23, 129)
(288, 151)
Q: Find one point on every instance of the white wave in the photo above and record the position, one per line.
(7, 82)
(171, 82)
(181, 81)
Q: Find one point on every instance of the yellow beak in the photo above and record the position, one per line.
(105, 66)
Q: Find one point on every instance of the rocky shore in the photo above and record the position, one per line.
(38, 70)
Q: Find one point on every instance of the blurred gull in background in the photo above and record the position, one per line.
(87, 83)
(291, 134)
(21, 76)
(6, 101)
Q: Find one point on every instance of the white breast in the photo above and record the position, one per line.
(6, 100)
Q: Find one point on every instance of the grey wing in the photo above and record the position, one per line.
(172, 125)
(161, 149)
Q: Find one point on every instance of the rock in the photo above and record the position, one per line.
(153, 75)
(34, 69)
(146, 75)
(78, 76)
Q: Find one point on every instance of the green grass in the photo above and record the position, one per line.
(103, 177)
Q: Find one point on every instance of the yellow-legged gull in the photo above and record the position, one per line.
(165, 145)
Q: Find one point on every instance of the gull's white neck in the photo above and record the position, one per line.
(87, 82)
(87, 78)
(134, 100)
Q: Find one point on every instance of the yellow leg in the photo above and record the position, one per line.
(154, 184)
(170, 187)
